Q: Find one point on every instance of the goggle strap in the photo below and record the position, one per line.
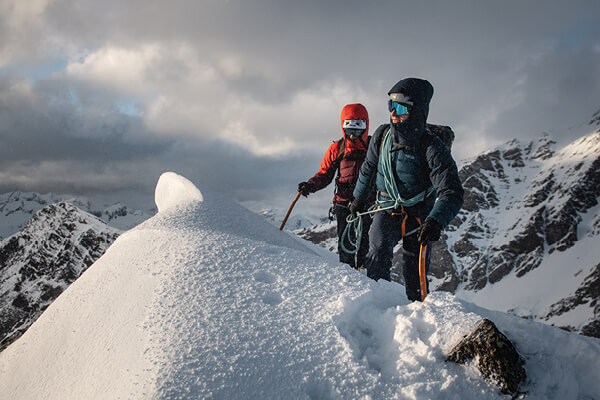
(400, 98)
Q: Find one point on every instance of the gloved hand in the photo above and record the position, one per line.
(357, 206)
(430, 231)
(306, 188)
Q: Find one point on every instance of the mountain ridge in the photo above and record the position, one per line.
(39, 262)
(17, 207)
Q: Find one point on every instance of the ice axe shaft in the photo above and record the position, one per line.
(289, 211)
(422, 272)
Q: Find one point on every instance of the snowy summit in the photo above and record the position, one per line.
(208, 300)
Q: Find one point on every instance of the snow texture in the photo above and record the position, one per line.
(208, 300)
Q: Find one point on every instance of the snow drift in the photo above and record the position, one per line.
(208, 300)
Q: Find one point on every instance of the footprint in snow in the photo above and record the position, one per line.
(273, 298)
(265, 277)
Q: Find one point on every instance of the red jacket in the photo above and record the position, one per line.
(347, 166)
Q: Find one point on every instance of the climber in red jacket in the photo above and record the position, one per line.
(344, 158)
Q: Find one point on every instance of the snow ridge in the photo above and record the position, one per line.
(208, 300)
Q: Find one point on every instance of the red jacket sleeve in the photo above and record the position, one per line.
(326, 173)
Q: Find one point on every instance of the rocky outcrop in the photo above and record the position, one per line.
(595, 119)
(496, 356)
(545, 194)
(324, 235)
(38, 263)
(587, 295)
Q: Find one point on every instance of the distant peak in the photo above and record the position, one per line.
(595, 119)
(174, 190)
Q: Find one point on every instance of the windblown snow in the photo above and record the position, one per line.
(208, 300)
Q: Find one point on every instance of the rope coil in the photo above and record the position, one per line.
(355, 223)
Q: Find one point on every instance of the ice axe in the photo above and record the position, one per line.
(289, 211)
(422, 272)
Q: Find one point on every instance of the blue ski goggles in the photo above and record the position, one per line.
(400, 108)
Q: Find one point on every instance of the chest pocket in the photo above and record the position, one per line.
(411, 170)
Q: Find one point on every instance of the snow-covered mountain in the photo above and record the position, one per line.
(16, 208)
(52, 243)
(39, 262)
(276, 217)
(201, 303)
(526, 240)
(531, 222)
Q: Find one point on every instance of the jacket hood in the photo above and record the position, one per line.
(355, 111)
(419, 92)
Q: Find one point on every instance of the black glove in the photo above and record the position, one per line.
(357, 206)
(429, 231)
(306, 188)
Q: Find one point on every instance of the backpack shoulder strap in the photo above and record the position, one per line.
(387, 127)
(341, 148)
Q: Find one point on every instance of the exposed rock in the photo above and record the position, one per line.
(595, 119)
(516, 156)
(479, 191)
(561, 229)
(496, 356)
(325, 237)
(587, 294)
(539, 211)
(542, 194)
(523, 253)
(442, 267)
(545, 149)
(38, 263)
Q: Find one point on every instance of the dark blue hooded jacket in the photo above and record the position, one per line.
(414, 171)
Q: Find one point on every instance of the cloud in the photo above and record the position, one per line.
(21, 23)
(247, 95)
(116, 67)
(51, 143)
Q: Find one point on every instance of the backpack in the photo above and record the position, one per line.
(443, 132)
(342, 148)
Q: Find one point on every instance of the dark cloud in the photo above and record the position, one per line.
(52, 143)
(40, 125)
(560, 89)
(245, 95)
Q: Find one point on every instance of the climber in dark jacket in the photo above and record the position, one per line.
(344, 158)
(419, 161)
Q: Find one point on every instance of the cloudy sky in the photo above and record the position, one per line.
(244, 96)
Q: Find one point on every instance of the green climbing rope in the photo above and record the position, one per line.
(355, 223)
